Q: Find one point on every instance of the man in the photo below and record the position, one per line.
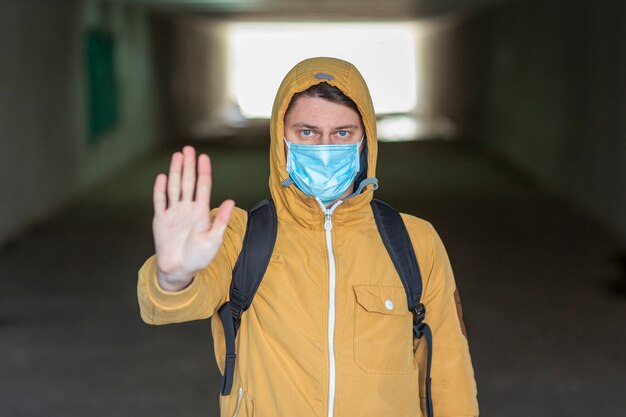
(328, 332)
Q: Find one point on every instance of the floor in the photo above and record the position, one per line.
(543, 290)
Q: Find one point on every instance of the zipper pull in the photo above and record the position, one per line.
(328, 224)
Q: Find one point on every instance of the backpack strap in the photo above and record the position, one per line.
(398, 244)
(258, 245)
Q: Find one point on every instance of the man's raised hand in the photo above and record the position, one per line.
(185, 238)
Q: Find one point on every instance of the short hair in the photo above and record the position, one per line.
(324, 91)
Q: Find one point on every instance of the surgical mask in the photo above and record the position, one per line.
(323, 171)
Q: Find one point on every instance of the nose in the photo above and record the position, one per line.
(325, 139)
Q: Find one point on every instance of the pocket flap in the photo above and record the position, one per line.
(382, 299)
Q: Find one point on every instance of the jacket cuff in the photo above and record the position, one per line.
(168, 300)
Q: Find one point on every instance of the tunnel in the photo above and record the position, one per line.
(500, 122)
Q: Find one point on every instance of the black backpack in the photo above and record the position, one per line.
(258, 245)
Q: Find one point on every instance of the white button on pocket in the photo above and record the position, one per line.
(389, 305)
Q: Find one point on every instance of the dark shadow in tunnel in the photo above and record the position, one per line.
(616, 286)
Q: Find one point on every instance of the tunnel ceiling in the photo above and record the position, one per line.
(308, 9)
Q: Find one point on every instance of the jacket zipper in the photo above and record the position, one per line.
(239, 396)
(328, 226)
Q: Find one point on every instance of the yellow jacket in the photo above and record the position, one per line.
(289, 364)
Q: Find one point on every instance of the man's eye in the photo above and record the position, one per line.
(306, 133)
(343, 133)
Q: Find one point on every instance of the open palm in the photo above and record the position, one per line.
(186, 238)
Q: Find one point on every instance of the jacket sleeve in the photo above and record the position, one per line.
(206, 293)
(453, 384)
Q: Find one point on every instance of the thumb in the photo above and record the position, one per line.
(222, 217)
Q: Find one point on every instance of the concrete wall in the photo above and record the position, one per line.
(45, 158)
(449, 72)
(543, 83)
(196, 82)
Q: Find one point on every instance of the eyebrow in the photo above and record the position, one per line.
(311, 127)
(305, 126)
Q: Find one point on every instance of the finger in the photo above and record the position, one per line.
(222, 217)
(173, 183)
(189, 173)
(203, 189)
(158, 196)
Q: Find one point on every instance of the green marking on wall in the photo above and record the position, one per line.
(102, 88)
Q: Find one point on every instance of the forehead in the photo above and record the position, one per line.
(314, 110)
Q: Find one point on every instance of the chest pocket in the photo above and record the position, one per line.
(382, 330)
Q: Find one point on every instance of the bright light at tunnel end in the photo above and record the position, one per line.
(260, 54)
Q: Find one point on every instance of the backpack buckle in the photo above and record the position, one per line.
(419, 312)
(235, 311)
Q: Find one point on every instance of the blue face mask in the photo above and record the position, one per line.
(323, 171)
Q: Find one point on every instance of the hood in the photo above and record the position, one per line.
(289, 200)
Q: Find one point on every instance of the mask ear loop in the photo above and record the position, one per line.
(365, 182)
(288, 154)
(288, 181)
(358, 152)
